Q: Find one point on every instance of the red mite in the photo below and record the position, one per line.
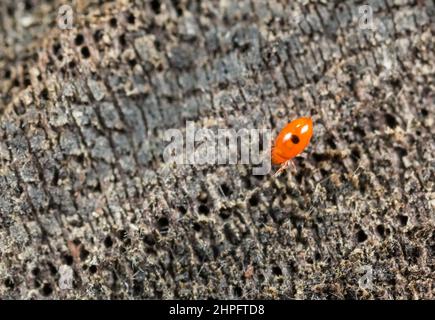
(291, 141)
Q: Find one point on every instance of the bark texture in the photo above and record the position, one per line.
(88, 208)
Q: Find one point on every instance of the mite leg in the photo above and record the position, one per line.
(293, 164)
(284, 166)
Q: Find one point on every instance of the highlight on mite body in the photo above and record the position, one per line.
(292, 140)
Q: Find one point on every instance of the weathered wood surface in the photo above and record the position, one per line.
(84, 192)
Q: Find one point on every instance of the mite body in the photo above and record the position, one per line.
(291, 141)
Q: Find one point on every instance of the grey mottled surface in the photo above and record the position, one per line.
(84, 193)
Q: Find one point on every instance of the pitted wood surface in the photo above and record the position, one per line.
(83, 185)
